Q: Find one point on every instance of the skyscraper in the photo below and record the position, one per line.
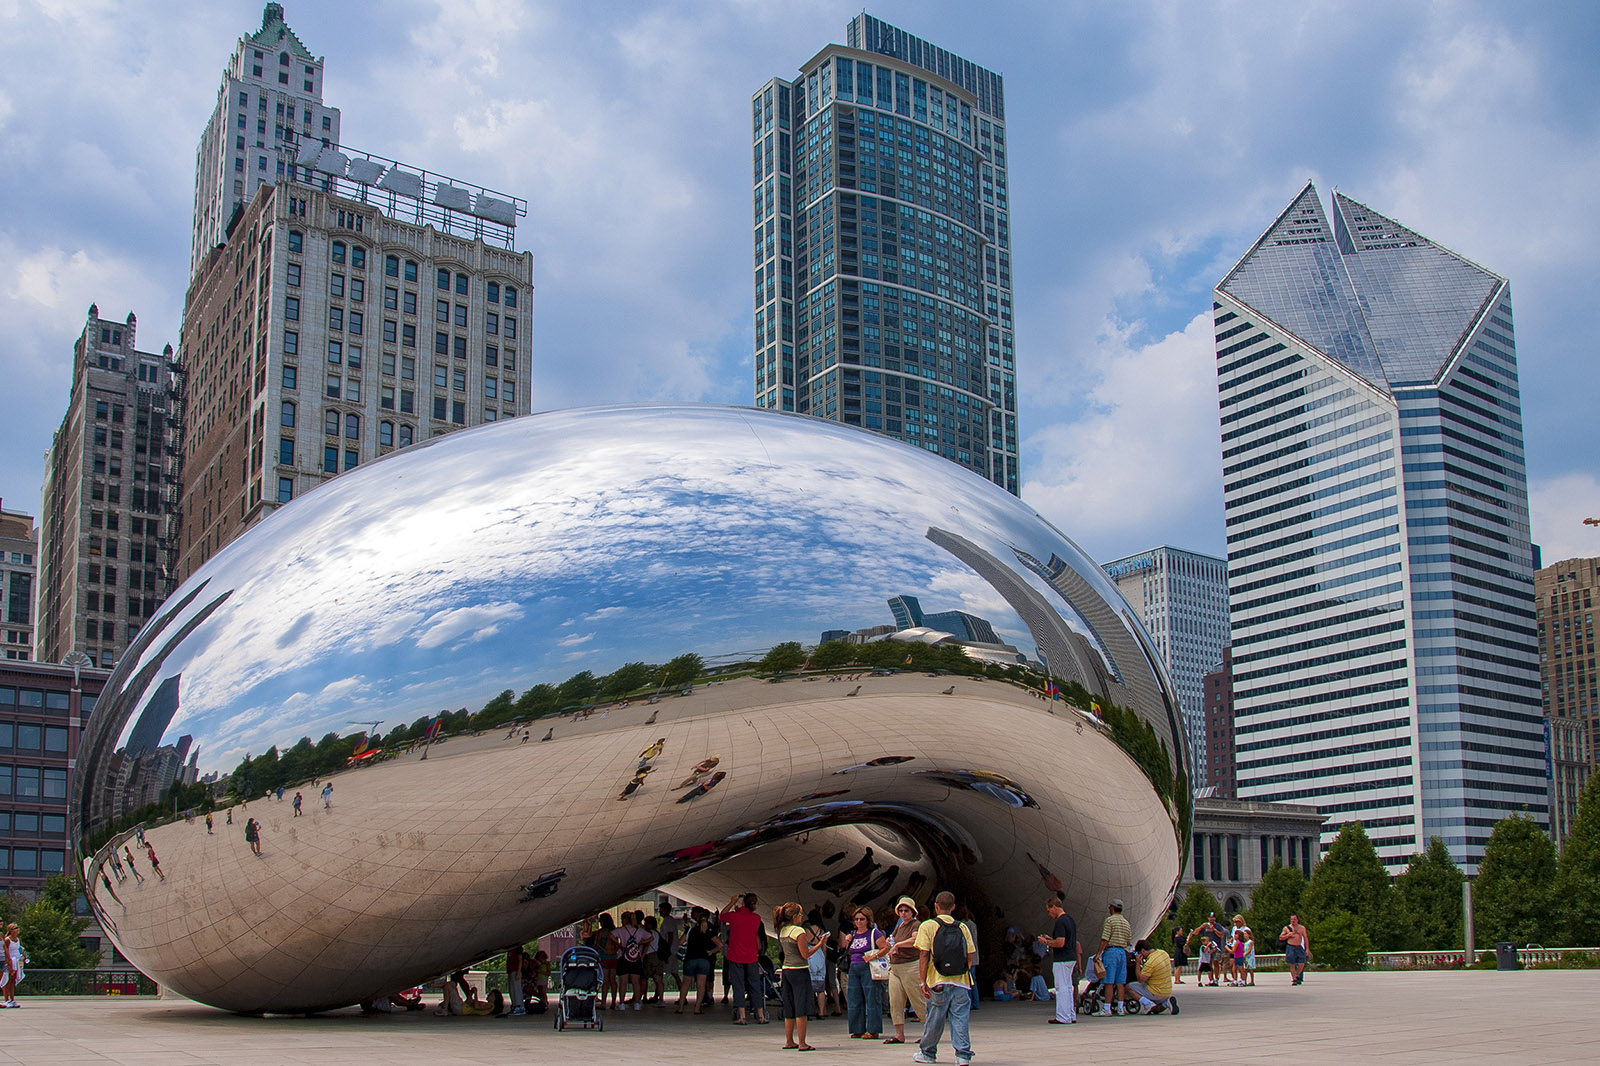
(882, 243)
(19, 547)
(1380, 571)
(306, 330)
(1566, 593)
(107, 531)
(1182, 599)
(270, 98)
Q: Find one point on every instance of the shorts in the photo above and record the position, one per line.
(1294, 955)
(630, 969)
(652, 966)
(1115, 960)
(697, 967)
(794, 994)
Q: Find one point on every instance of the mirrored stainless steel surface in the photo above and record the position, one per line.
(564, 560)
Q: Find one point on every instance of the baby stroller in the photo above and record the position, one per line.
(580, 989)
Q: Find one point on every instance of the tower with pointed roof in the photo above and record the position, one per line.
(269, 102)
(1379, 563)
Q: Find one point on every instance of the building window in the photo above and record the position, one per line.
(286, 417)
(491, 389)
(294, 274)
(411, 270)
(389, 327)
(285, 489)
(391, 266)
(291, 342)
(440, 407)
(352, 426)
(330, 423)
(294, 240)
(333, 386)
(337, 252)
(386, 434)
(442, 280)
(391, 299)
(491, 355)
(461, 284)
(291, 308)
(358, 257)
(405, 435)
(458, 412)
(459, 346)
(336, 318)
(441, 344)
(286, 451)
(408, 334)
(386, 397)
(330, 459)
(441, 311)
(511, 296)
(491, 292)
(491, 323)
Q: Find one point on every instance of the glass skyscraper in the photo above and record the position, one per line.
(882, 241)
(1379, 565)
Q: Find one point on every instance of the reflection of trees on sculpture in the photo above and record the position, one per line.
(680, 671)
(786, 656)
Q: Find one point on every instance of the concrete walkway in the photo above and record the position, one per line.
(1461, 1018)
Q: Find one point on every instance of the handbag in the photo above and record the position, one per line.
(878, 968)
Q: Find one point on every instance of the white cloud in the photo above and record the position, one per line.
(468, 623)
(1146, 451)
(1559, 505)
(574, 640)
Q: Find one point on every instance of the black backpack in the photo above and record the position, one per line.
(949, 954)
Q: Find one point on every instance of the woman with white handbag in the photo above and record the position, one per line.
(869, 955)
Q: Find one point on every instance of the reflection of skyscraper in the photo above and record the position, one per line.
(158, 713)
(883, 247)
(907, 611)
(1379, 564)
(1182, 599)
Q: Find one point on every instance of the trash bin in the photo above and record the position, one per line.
(1505, 956)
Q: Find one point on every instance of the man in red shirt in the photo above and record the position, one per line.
(743, 952)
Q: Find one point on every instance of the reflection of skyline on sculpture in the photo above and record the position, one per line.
(345, 643)
(519, 555)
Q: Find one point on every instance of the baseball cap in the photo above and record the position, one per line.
(1117, 903)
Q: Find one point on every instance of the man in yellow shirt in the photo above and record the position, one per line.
(1154, 986)
(947, 956)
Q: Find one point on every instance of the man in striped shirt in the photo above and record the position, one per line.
(1115, 938)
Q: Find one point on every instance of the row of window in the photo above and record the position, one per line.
(32, 701)
(356, 256)
(30, 823)
(33, 782)
(27, 862)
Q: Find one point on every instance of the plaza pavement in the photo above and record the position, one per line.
(1463, 1018)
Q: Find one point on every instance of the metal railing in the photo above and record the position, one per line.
(124, 982)
(1440, 960)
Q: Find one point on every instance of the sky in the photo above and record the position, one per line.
(1151, 144)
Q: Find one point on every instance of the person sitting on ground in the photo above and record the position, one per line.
(461, 998)
(1153, 989)
(1005, 986)
(538, 975)
(1038, 987)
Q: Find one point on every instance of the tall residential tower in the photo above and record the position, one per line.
(270, 99)
(108, 527)
(1380, 571)
(882, 239)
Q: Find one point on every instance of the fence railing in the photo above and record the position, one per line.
(125, 982)
(1438, 960)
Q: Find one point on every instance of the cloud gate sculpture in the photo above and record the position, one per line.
(535, 669)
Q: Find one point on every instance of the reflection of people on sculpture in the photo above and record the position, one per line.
(252, 836)
(127, 853)
(104, 880)
(701, 768)
(638, 779)
(549, 734)
(652, 751)
(155, 863)
(703, 787)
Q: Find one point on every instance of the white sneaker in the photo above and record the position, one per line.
(918, 1056)
(1103, 1012)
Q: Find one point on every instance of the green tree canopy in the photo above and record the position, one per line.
(1352, 878)
(50, 929)
(579, 688)
(1512, 892)
(832, 654)
(685, 669)
(629, 677)
(1197, 903)
(1274, 899)
(1577, 887)
(1430, 889)
(786, 656)
(538, 701)
(498, 710)
(1338, 940)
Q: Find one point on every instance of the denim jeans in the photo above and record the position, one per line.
(955, 1003)
(866, 1008)
(747, 982)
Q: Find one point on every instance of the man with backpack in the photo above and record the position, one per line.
(947, 955)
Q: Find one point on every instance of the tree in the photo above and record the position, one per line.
(1512, 893)
(50, 929)
(832, 654)
(1197, 904)
(1352, 878)
(1430, 889)
(785, 656)
(682, 670)
(1577, 887)
(497, 711)
(540, 700)
(1275, 898)
(1339, 941)
(629, 677)
(579, 688)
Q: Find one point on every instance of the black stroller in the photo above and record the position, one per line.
(580, 989)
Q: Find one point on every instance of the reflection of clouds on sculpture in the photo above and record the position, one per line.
(406, 558)
(506, 556)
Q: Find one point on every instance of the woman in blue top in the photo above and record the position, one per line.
(864, 943)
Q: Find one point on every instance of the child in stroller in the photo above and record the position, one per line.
(580, 989)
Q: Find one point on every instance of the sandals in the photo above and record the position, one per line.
(895, 1040)
(805, 1047)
